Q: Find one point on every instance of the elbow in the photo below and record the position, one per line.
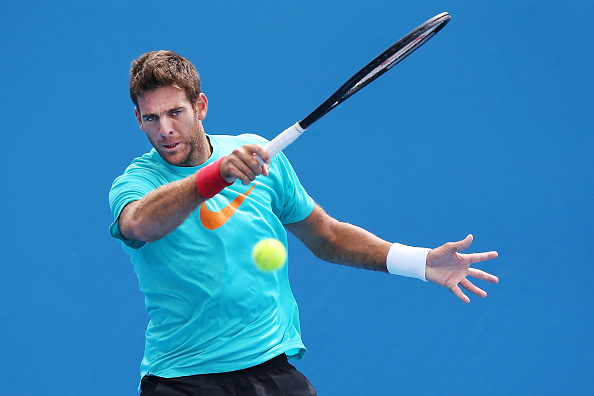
(136, 232)
(324, 246)
(144, 233)
(134, 229)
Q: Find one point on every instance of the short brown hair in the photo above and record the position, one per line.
(157, 69)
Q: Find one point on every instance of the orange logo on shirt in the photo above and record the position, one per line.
(213, 220)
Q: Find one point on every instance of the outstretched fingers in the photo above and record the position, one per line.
(478, 257)
(468, 285)
(459, 293)
(447, 266)
(464, 244)
(482, 275)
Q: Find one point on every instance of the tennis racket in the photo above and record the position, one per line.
(378, 66)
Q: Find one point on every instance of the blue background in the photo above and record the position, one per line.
(487, 129)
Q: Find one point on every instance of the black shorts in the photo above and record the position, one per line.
(271, 378)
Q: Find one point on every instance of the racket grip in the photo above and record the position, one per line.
(282, 140)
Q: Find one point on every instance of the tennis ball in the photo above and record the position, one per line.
(269, 254)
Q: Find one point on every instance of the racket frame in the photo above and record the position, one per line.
(370, 72)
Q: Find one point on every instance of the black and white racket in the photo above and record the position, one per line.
(378, 66)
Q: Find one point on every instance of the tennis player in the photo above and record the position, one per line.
(189, 212)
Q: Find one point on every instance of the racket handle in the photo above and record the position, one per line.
(282, 140)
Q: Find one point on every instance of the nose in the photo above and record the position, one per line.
(165, 126)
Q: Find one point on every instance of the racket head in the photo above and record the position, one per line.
(379, 65)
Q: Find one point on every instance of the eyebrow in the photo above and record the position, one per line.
(149, 115)
(177, 108)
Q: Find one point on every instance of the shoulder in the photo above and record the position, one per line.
(149, 160)
(252, 138)
(238, 140)
(147, 169)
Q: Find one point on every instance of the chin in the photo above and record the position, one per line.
(177, 160)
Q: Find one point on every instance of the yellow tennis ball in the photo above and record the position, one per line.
(269, 254)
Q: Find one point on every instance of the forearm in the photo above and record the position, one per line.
(164, 209)
(341, 243)
(353, 246)
(160, 211)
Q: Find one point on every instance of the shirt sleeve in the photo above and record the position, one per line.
(127, 188)
(297, 203)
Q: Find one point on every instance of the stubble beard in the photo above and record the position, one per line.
(194, 146)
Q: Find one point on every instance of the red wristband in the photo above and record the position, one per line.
(209, 181)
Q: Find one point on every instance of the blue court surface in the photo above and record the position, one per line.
(487, 129)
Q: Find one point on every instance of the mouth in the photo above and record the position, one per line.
(170, 146)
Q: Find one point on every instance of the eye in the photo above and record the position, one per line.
(176, 112)
(149, 118)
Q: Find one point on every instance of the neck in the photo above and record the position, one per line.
(203, 147)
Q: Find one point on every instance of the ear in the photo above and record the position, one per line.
(139, 118)
(201, 107)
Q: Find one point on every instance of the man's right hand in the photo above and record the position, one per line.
(242, 164)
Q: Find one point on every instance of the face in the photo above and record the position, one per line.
(174, 126)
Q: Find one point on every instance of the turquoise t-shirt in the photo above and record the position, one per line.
(211, 310)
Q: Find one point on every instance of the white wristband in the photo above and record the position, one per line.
(407, 261)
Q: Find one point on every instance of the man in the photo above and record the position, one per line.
(190, 211)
